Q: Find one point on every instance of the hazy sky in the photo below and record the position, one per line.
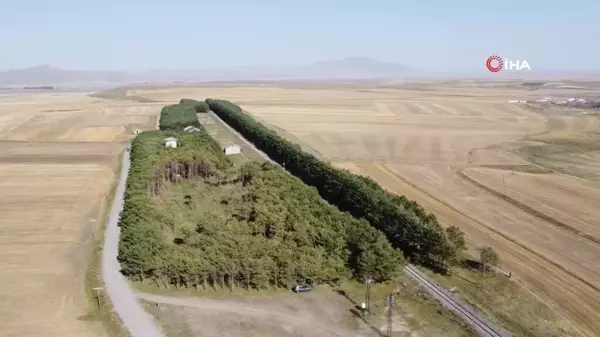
(427, 34)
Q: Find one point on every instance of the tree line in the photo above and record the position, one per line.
(178, 116)
(199, 106)
(406, 223)
(254, 226)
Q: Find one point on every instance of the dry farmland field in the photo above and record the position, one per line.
(457, 148)
(58, 153)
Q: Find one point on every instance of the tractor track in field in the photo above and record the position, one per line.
(527, 209)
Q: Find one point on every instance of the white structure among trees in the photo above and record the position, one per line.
(171, 142)
(232, 149)
(191, 128)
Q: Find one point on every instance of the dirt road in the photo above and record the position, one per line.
(291, 319)
(138, 322)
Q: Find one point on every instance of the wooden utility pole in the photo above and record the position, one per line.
(368, 282)
(98, 289)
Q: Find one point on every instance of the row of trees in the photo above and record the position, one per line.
(255, 226)
(199, 106)
(178, 116)
(407, 225)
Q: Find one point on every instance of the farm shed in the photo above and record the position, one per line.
(232, 149)
(171, 142)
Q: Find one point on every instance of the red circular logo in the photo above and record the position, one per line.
(496, 68)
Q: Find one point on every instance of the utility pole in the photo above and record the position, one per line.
(98, 295)
(504, 184)
(93, 221)
(391, 301)
(368, 282)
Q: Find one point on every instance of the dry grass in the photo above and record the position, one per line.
(550, 195)
(320, 313)
(414, 138)
(58, 153)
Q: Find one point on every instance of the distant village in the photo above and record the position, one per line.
(573, 102)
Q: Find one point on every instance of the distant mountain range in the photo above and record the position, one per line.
(347, 68)
(351, 68)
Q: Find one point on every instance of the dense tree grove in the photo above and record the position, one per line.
(191, 218)
(178, 116)
(199, 106)
(407, 225)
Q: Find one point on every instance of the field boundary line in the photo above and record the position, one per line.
(527, 209)
(495, 231)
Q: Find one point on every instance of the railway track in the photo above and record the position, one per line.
(482, 326)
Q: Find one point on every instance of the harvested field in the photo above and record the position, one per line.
(526, 263)
(58, 153)
(571, 145)
(393, 126)
(415, 138)
(570, 201)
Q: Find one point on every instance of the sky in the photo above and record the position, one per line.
(193, 34)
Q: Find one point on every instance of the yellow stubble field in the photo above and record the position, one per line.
(422, 140)
(58, 155)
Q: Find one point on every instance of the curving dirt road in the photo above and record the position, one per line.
(136, 320)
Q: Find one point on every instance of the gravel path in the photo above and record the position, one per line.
(225, 125)
(136, 320)
(297, 321)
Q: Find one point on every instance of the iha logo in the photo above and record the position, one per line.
(495, 63)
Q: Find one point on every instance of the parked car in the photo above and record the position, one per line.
(302, 288)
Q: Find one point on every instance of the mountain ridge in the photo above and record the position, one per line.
(341, 69)
(344, 68)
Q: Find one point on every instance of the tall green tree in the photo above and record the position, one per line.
(487, 257)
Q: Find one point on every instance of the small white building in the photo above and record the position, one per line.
(171, 142)
(232, 149)
(136, 131)
(191, 128)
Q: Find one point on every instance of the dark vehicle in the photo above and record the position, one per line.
(302, 289)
